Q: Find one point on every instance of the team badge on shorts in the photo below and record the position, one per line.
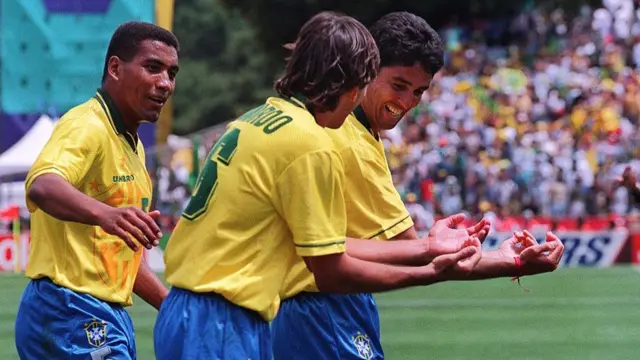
(363, 345)
(96, 332)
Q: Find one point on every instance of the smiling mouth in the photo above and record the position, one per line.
(395, 112)
(157, 100)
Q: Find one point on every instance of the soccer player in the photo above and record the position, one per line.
(89, 194)
(272, 190)
(313, 325)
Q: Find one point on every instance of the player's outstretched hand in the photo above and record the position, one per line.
(514, 245)
(131, 221)
(541, 258)
(460, 263)
(446, 238)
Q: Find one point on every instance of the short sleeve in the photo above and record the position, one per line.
(374, 207)
(70, 153)
(309, 195)
(394, 215)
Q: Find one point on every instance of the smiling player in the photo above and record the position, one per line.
(271, 192)
(314, 325)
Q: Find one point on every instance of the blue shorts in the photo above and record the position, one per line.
(54, 322)
(193, 326)
(320, 326)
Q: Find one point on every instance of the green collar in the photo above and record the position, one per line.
(109, 107)
(359, 114)
(115, 117)
(298, 100)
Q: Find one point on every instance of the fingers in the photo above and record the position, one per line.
(536, 250)
(443, 262)
(530, 239)
(132, 226)
(467, 265)
(472, 241)
(477, 228)
(150, 219)
(123, 235)
(556, 254)
(552, 237)
(142, 226)
(482, 235)
(463, 254)
(454, 220)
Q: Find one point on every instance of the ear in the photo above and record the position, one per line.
(354, 95)
(114, 68)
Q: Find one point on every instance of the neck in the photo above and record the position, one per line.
(370, 113)
(129, 118)
(324, 118)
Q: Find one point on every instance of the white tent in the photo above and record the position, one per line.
(19, 158)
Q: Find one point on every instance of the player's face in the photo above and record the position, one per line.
(148, 80)
(395, 91)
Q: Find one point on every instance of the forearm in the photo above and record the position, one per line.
(55, 196)
(491, 265)
(346, 274)
(396, 252)
(149, 287)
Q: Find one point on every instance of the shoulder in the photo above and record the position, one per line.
(87, 116)
(346, 136)
(288, 127)
(85, 123)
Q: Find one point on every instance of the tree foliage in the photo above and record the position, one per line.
(222, 65)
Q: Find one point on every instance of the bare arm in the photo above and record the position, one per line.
(55, 196)
(397, 252)
(58, 198)
(444, 238)
(341, 273)
(534, 258)
(492, 265)
(149, 287)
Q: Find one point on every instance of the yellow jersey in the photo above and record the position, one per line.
(270, 189)
(374, 207)
(91, 149)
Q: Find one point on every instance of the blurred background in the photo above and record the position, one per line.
(533, 117)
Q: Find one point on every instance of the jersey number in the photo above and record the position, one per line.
(222, 152)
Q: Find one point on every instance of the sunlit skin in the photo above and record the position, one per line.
(346, 103)
(395, 91)
(143, 85)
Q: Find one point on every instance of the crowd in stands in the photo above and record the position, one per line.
(537, 126)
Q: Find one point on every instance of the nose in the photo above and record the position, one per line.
(165, 83)
(407, 101)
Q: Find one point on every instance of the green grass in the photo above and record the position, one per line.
(571, 314)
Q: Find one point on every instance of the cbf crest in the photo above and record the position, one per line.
(96, 332)
(363, 345)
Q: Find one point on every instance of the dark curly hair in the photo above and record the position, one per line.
(405, 39)
(127, 38)
(332, 54)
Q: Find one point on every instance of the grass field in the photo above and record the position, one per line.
(571, 314)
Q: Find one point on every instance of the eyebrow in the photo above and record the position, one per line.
(408, 83)
(155, 60)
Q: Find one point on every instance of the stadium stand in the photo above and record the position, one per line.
(52, 54)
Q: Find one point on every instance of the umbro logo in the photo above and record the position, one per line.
(123, 178)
